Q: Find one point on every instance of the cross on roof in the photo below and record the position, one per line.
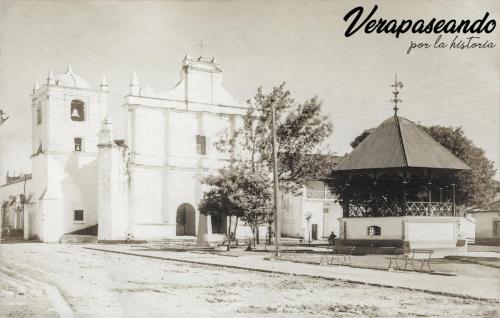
(397, 85)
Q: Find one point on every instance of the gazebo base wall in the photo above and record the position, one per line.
(403, 232)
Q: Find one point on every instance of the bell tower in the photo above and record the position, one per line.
(67, 113)
(66, 119)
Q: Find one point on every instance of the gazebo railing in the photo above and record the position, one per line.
(429, 209)
(411, 208)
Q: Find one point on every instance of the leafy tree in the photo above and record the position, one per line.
(471, 186)
(220, 201)
(254, 197)
(300, 130)
(361, 137)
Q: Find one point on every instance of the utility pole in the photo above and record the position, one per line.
(277, 220)
(25, 217)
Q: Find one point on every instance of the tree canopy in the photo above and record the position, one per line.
(301, 129)
(244, 187)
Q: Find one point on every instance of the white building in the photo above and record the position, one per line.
(487, 230)
(311, 215)
(153, 183)
(66, 116)
(147, 185)
(15, 204)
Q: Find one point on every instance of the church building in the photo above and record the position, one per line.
(147, 186)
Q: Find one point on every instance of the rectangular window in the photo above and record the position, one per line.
(374, 230)
(78, 144)
(201, 145)
(78, 216)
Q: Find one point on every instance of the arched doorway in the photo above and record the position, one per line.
(186, 222)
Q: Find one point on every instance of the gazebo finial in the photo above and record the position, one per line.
(397, 85)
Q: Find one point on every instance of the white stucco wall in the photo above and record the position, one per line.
(432, 232)
(295, 209)
(292, 215)
(65, 180)
(113, 217)
(484, 224)
(356, 228)
(165, 169)
(467, 228)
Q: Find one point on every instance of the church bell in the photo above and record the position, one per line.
(75, 113)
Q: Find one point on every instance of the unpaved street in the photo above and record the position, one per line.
(100, 284)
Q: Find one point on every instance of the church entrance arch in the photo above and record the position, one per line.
(186, 220)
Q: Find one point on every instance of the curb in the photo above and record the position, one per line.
(61, 307)
(434, 292)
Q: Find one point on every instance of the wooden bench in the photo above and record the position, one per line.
(340, 253)
(233, 240)
(413, 257)
(290, 254)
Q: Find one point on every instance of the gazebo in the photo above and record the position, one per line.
(399, 188)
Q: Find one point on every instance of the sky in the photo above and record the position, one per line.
(258, 43)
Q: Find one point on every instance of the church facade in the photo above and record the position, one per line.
(150, 186)
(147, 186)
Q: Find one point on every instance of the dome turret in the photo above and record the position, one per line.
(70, 79)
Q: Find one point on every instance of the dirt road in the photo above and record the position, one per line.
(99, 284)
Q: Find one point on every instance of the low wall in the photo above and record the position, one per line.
(467, 228)
(418, 231)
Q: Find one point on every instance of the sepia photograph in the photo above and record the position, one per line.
(238, 158)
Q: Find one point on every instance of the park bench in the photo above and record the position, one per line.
(342, 254)
(414, 257)
(290, 253)
(234, 241)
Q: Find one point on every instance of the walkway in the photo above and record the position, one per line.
(461, 286)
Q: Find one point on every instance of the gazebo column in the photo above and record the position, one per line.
(346, 197)
(429, 183)
(453, 196)
(454, 207)
(430, 201)
(405, 185)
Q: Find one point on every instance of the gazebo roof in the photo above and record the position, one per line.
(400, 143)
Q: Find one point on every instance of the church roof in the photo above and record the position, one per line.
(400, 143)
(202, 85)
(70, 79)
